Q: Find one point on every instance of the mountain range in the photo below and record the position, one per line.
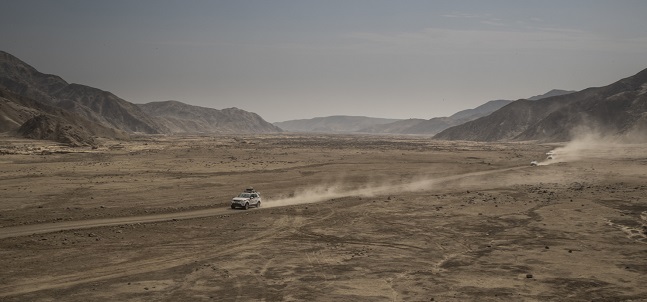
(361, 124)
(44, 106)
(27, 93)
(617, 109)
(333, 124)
(437, 124)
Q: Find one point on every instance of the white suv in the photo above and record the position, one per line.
(246, 199)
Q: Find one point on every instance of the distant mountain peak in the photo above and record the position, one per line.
(552, 93)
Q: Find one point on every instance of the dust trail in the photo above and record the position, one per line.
(421, 183)
(589, 145)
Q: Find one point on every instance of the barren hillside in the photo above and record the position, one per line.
(616, 109)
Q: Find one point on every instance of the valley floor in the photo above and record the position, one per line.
(344, 218)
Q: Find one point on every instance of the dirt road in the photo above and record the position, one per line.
(42, 228)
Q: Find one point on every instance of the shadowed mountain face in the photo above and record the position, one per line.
(54, 128)
(95, 105)
(108, 109)
(332, 124)
(183, 118)
(18, 77)
(616, 109)
(66, 127)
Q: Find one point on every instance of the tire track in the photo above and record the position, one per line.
(26, 230)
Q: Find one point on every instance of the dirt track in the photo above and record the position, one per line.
(32, 229)
(400, 219)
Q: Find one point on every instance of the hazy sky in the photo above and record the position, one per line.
(301, 59)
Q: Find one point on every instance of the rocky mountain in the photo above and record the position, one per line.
(107, 109)
(30, 118)
(183, 118)
(20, 78)
(619, 108)
(333, 124)
(54, 128)
(15, 110)
(29, 93)
(94, 104)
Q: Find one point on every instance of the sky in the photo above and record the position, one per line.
(301, 59)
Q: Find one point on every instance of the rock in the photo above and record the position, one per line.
(49, 127)
(529, 276)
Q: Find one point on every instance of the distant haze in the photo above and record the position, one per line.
(289, 60)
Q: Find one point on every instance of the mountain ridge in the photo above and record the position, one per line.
(615, 109)
(332, 124)
(21, 78)
(343, 123)
(92, 106)
(184, 118)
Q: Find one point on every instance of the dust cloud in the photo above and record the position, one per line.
(595, 145)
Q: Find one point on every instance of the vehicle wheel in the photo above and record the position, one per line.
(247, 206)
(233, 206)
(258, 205)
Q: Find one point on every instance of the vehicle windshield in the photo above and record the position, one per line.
(245, 195)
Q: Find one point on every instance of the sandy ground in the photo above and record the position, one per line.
(344, 218)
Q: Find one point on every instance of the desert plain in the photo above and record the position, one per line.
(343, 218)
